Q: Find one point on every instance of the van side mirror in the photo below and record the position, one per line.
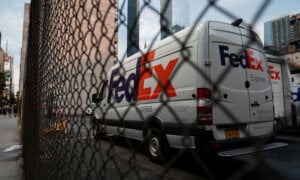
(95, 98)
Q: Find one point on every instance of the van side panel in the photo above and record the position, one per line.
(174, 107)
(163, 84)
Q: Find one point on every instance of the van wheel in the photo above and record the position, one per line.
(97, 133)
(157, 146)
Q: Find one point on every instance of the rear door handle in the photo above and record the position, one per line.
(255, 103)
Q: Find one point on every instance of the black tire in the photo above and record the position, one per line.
(97, 132)
(157, 146)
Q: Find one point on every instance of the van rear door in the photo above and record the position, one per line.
(231, 102)
(277, 86)
(239, 74)
(260, 91)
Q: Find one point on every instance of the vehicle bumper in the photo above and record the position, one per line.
(205, 142)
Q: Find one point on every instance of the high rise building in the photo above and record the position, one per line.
(146, 26)
(24, 47)
(175, 16)
(8, 70)
(268, 34)
(133, 27)
(276, 32)
(23, 59)
(78, 49)
(294, 31)
(1, 55)
(149, 23)
(6, 64)
(1, 60)
(283, 34)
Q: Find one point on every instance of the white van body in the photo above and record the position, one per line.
(281, 87)
(296, 105)
(213, 90)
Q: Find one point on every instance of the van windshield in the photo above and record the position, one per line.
(103, 91)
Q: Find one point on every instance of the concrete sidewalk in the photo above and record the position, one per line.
(10, 161)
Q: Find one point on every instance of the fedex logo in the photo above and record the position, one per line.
(245, 60)
(273, 73)
(134, 88)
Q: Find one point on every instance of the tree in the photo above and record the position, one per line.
(12, 98)
(3, 78)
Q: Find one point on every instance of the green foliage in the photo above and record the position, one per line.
(12, 98)
(3, 78)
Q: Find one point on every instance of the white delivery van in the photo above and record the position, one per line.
(295, 78)
(212, 92)
(296, 105)
(281, 87)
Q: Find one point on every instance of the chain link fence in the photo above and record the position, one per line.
(72, 46)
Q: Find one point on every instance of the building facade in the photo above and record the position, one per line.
(293, 60)
(6, 67)
(294, 32)
(8, 70)
(1, 60)
(1, 54)
(282, 35)
(177, 16)
(77, 49)
(149, 24)
(268, 34)
(276, 32)
(23, 60)
(24, 48)
(133, 27)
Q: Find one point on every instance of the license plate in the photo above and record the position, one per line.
(232, 133)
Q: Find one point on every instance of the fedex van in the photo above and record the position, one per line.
(206, 87)
(296, 105)
(281, 86)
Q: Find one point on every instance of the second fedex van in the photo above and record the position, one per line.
(206, 86)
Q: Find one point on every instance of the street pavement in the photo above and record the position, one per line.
(10, 149)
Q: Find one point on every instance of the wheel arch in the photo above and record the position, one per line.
(153, 121)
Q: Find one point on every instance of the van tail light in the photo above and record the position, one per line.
(204, 108)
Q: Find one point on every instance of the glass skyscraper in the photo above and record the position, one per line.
(149, 23)
(268, 34)
(132, 27)
(176, 16)
(150, 27)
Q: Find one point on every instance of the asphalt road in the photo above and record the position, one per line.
(79, 156)
(119, 158)
(116, 158)
(284, 161)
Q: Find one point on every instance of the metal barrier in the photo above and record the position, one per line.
(72, 45)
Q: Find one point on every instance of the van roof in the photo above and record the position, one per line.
(176, 36)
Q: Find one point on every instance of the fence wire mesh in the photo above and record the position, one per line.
(72, 46)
